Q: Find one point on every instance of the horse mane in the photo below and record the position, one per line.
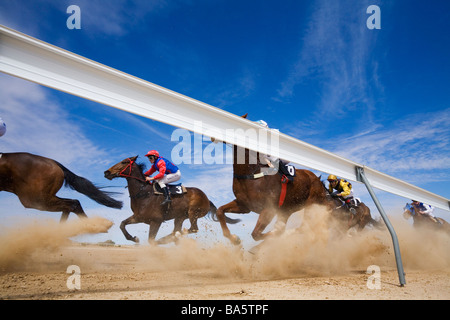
(142, 167)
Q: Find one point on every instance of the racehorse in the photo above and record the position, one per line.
(422, 220)
(360, 219)
(260, 193)
(36, 180)
(147, 208)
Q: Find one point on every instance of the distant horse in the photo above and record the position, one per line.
(360, 219)
(421, 220)
(260, 193)
(36, 180)
(147, 208)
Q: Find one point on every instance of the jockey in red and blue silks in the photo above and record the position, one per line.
(168, 172)
(424, 209)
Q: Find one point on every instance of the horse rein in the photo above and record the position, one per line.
(122, 174)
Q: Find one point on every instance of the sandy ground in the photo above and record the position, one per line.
(311, 263)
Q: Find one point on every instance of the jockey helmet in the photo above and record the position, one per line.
(332, 177)
(152, 153)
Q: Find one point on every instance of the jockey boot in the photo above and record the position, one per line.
(166, 196)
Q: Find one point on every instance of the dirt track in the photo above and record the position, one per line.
(296, 266)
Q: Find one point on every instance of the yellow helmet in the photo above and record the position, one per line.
(332, 177)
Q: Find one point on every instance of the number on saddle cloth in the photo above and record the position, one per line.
(287, 170)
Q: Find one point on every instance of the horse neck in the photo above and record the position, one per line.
(137, 180)
(245, 162)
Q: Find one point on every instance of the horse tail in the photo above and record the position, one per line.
(87, 188)
(213, 213)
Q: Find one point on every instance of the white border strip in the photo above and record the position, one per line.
(34, 60)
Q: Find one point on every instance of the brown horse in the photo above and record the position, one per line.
(422, 220)
(359, 220)
(260, 193)
(36, 180)
(146, 205)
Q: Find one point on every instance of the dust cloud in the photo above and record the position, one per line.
(318, 247)
(314, 248)
(27, 243)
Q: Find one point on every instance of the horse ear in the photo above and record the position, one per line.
(134, 158)
(244, 116)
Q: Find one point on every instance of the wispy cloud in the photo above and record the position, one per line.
(98, 18)
(416, 148)
(335, 54)
(36, 123)
(118, 19)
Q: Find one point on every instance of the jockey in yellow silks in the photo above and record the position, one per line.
(343, 190)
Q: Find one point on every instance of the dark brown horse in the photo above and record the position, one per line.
(261, 194)
(361, 219)
(422, 220)
(36, 180)
(146, 205)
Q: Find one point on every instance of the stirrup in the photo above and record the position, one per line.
(166, 200)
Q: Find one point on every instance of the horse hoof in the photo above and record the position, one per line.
(135, 239)
(235, 240)
(177, 234)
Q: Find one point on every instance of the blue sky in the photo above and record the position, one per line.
(311, 68)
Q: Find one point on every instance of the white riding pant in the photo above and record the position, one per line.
(344, 197)
(169, 178)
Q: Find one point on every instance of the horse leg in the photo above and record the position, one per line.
(193, 215)
(280, 225)
(178, 223)
(76, 208)
(54, 204)
(127, 221)
(153, 230)
(64, 217)
(365, 219)
(234, 207)
(265, 217)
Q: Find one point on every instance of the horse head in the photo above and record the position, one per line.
(125, 169)
(408, 211)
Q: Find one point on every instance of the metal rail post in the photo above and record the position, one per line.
(362, 178)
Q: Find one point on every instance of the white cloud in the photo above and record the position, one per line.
(36, 123)
(416, 147)
(335, 53)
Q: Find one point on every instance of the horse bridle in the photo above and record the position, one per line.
(129, 165)
(122, 174)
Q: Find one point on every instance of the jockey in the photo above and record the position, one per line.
(343, 190)
(168, 172)
(424, 209)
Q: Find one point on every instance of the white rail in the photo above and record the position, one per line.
(48, 65)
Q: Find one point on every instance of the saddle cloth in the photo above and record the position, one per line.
(175, 189)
